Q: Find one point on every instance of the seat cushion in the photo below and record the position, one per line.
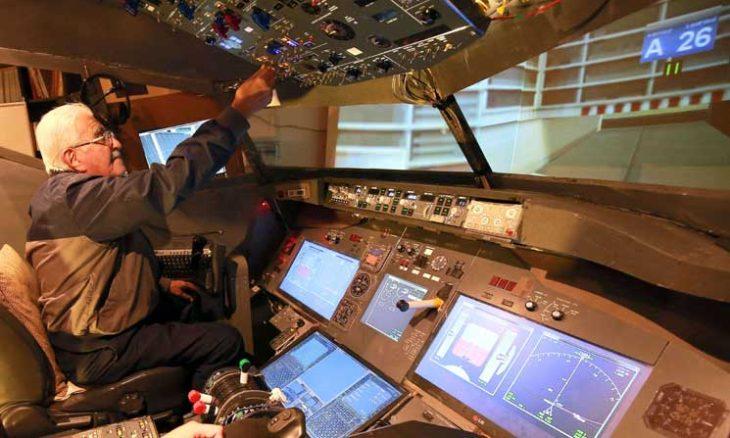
(19, 294)
(163, 388)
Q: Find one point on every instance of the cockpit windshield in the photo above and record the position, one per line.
(635, 101)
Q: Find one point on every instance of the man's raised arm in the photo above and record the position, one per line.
(109, 207)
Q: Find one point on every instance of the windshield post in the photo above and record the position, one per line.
(464, 136)
(253, 157)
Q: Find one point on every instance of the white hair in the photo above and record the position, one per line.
(57, 131)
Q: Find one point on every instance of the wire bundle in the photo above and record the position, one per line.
(417, 87)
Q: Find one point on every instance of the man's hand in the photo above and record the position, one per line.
(179, 287)
(193, 429)
(255, 93)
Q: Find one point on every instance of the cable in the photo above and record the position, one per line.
(419, 88)
(592, 17)
(303, 128)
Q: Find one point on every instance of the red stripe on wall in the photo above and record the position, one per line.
(654, 104)
(674, 101)
(635, 106)
(601, 109)
(695, 99)
(585, 111)
(717, 95)
(619, 107)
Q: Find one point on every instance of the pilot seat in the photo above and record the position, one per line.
(27, 406)
(28, 386)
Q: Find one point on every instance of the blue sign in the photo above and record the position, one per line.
(682, 40)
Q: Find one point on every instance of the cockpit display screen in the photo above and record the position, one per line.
(336, 392)
(382, 313)
(526, 378)
(319, 277)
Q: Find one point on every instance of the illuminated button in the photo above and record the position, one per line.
(435, 278)
(426, 275)
(531, 306)
(448, 202)
(437, 211)
(441, 201)
(445, 211)
(557, 315)
(415, 272)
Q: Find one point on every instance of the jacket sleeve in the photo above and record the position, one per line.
(106, 208)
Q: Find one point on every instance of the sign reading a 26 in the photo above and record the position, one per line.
(685, 39)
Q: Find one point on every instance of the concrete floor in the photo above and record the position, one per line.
(692, 154)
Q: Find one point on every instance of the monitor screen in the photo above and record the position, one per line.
(383, 315)
(319, 277)
(159, 144)
(526, 378)
(337, 393)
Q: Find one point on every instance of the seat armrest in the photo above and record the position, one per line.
(161, 388)
(26, 420)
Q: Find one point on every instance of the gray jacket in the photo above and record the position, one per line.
(96, 269)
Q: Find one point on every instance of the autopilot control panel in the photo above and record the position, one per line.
(406, 323)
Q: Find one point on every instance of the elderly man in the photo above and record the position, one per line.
(98, 277)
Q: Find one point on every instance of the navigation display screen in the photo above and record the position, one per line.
(383, 315)
(336, 392)
(507, 368)
(319, 277)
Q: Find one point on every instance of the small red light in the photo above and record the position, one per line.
(355, 238)
(263, 207)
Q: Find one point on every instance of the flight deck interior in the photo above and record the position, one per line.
(456, 218)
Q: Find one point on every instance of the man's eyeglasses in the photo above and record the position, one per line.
(106, 139)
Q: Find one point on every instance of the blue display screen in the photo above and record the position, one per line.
(681, 40)
(319, 277)
(526, 378)
(336, 392)
(383, 315)
(159, 144)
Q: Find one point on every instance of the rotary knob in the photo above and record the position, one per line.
(336, 58)
(439, 263)
(384, 66)
(531, 305)
(557, 315)
(428, 16)
(353, 74)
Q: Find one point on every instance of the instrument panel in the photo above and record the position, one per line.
(328, 42)
(498, 219)
(488, 346)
